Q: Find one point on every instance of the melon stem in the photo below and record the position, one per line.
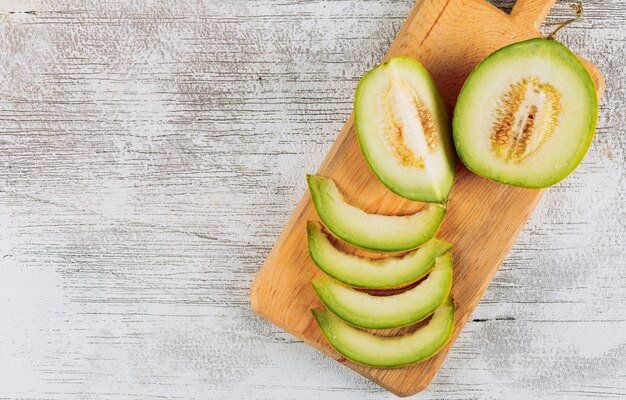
(578, 13)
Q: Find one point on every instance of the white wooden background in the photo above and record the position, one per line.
(150, 153)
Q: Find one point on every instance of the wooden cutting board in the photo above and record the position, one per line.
(449, 37)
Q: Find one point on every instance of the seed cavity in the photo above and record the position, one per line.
(526, 116)
(408, 125)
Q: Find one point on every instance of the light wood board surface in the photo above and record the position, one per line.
(152, 153)
(483, 220)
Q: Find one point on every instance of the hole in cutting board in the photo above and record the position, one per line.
(504, 5)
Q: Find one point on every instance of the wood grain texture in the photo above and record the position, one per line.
(151, 155)
(483, 220)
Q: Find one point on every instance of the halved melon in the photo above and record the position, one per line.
(390, 351)
(372, 231)
(526, 115)
(391, 272)
(383, 312)
(404, 130)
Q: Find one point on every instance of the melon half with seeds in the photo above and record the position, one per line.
(404, 130)
(526, 115)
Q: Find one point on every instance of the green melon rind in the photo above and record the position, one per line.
(383, 164)
(372, 231)
(383, 312)
(391, 272)
(388, 352)
(559, 55)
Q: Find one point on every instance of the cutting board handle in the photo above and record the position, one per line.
(532, 12)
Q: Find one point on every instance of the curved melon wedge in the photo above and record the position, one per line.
(384, 312)
(391, 351)
(372, 231)
(387, 273)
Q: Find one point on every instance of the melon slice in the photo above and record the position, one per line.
(391, 272)
(372, 231)
(390, 351)
(383, 312)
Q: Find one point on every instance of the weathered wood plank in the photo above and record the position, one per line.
(151, 154)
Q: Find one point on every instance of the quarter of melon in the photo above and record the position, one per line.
(404, 130)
